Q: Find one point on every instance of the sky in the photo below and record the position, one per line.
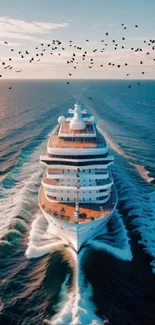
(25, 24)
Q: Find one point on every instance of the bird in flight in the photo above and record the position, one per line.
(57, 47)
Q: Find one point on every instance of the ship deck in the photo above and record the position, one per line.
(87, 212)
(57, 141)
(66, 129)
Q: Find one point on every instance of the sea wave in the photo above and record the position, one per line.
(138, 209)
(18, 202)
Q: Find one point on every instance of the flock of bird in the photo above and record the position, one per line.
(56, 47)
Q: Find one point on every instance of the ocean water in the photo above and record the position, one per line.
(112, 280)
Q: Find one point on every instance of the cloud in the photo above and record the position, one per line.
(6, 35)
(21, 29)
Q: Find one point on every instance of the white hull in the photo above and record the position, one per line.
(76, 235)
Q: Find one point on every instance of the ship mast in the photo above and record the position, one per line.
(76, 212)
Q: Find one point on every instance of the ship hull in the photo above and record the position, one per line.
(78, 234)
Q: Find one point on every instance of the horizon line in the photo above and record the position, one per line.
(64, 79)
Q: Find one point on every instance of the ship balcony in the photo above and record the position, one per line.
(82, 185)
(72, 176)
(99, 200)
(81, 171)
(82, 197)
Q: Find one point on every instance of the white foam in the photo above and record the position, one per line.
(75, 306)
(145, 225)
(17, 202)
(41, 241)
(143, 172)
(114, 146)
(1, 305)
(116, 241)
(140, 208)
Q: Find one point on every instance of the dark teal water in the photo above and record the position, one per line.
(122, 291)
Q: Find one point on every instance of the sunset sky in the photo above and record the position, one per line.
(26, 24)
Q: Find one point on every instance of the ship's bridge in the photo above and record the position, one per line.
(76, 133)
(77, 126)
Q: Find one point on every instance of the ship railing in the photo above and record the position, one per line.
(58, 214)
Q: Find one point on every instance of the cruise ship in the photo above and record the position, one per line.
(77, 195)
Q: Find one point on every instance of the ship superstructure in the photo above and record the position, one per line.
(77, 195)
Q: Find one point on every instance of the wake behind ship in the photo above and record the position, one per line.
(77, 195)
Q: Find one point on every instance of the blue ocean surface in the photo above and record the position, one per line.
(114, 282)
